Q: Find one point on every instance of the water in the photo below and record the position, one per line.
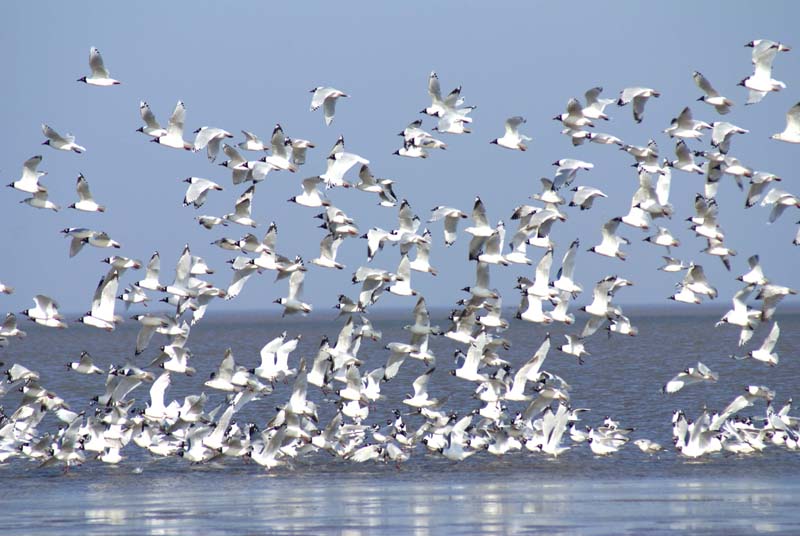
(627, 493)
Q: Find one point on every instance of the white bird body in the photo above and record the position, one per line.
(99, 76)
(209, 138)
(766, 352)
(402, 285)
(85, 365)
(242, 210)
(639, 97)
(585, 196)
(610, 244)
(40, 200)
(292, 303)
(712, 96)
(690, 376)
(198, 190)
(152, 128)
(326, 97)
(29, 181)
(761, 82)
(45, 312)
(62, 143)
(173, 137)
(595, 106)
(86, 202)
(512, 138)
(790, 134)
(684, 126)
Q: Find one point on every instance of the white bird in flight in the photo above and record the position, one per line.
(99, 76)
(326, 97)
(62, 143)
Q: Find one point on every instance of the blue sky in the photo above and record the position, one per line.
(249, 65)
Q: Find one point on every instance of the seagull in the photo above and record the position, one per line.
(311, 196)
(684, 126)
(326, 97)
(761, 82)
(40, 200)
(402, 285)
(451, 218)
(9, 327)
(639, 96)
(339, 164)
(29, 181)
(209, 138)
(574, 346)
(567, 170)
(766, 352)
(755, 276)
(712, 96)
(791, 134)
(252, 142)
(173, 137)
(280, 159)
(512, 139)
(299, 149)
(382, 187)
(439, 105)
(241, 213)
(573, 118)
(672, 265)
(690, 376)
(99, 76)
(198, 190)
(758, 183)
(685, 161)
(102, 312)
(421, 399)
(695, 280)
(565, 278)
(595, 105)
(62, 143)
(584, 197)
(86, 203)
(409, 150)
(609, 246)
(151, 128)
(101, 240)
(150, 281)
(84, 365)
(772, 294)
(741, 315)
(292, 303)
(275, 359)
(327, 255)
(721, 134)
(663, 238)
(647, 446)
(780, 199)
(45, 312)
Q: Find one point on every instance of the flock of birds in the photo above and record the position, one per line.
(544, 418)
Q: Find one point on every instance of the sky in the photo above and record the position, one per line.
(250, 65)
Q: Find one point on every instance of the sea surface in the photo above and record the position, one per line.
(519, 493)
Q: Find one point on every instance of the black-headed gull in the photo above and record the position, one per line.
(790, 134)
(326, 97)
(99, 76)
(86, 202)
(62, 143)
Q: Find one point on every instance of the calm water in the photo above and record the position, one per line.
(628, 493)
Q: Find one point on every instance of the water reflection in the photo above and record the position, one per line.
(216, 502)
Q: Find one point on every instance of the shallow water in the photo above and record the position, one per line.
(627, 493)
